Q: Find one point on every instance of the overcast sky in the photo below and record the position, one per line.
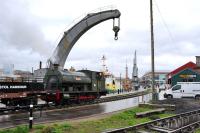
(30, 30)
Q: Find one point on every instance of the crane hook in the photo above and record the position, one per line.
(116, 28)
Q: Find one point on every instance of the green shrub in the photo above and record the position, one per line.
(38, 126)
(48, 129)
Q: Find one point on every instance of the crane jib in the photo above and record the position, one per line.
(72, 35)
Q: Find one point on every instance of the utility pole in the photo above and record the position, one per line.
(154, 95)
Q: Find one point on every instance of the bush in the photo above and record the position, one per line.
(56, 128)
(38, 126)
(48, 129)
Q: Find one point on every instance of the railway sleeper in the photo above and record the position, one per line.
(142, 131)
(160, 129)
(148, 113)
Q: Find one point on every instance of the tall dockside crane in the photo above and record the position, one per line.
(72, 35)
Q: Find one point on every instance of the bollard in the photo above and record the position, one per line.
(31, 116)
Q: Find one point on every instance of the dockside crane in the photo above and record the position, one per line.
(72, 35)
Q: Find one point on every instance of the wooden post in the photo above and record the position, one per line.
(154, 95)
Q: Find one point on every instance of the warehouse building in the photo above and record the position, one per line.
(189, 72)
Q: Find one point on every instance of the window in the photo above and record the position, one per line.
(177, 87)
(156, 77)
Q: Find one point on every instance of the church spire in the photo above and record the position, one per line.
(135, 68)
(135, 72)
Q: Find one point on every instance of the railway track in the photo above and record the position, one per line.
(182, 123)
(43, 107)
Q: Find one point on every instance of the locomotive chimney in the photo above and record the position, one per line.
(40, 66)
(55, 66)
(198, 61)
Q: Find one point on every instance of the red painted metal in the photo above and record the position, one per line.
(86, 97)
(58, 96)
(190, 65)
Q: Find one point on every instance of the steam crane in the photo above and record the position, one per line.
(72, 35)
(61, 86)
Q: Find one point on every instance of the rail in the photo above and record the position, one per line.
(184, 123)
(11, 109)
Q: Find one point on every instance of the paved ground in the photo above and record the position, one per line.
(73, 113)
(182, 104)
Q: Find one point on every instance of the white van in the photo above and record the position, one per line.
(184, 89)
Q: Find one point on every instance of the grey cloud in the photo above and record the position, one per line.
(19, 29)
(182, 42)
(23, 59)
(21, 34)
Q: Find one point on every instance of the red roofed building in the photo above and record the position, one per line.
(190, 65)
(189, 72)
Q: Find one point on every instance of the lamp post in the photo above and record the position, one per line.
(154, 95)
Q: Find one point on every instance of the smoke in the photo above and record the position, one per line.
(20, 29)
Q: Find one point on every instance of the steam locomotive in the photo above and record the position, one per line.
(58, 86)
